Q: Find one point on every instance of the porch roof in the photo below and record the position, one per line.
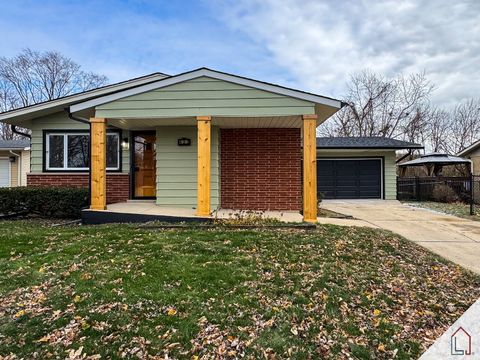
(206, 92)
(290, 121)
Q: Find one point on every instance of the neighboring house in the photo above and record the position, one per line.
(473, 153)
(14, 162)
(203, 139)
(359, 167)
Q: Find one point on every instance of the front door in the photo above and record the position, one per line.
(144, 164)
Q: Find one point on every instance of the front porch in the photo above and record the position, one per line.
(144, 211)
(225, 164)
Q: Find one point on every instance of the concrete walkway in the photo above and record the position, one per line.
(453, 238)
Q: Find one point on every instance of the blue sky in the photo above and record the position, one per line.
(312, 45)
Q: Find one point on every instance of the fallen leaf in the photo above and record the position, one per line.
(19, 314)
(171, 311)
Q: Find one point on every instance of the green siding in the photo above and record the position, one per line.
(125, 153)
(205, 96)
(390, 172)
(177, 167)
(60, 121)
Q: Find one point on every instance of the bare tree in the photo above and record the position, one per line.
(436, 136)
(378, 106)
(465, 125)
(8, 99)
(33, 77)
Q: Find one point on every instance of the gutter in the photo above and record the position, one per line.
(71, 116)
(15, 131)
(369, 147)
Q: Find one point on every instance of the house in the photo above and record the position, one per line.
(199, 140)
(14, 162)
(472, 152)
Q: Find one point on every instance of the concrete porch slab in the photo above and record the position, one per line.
(143, 211)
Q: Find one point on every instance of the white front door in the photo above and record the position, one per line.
(4, 172)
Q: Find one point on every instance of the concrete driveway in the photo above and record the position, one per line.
(454, 238)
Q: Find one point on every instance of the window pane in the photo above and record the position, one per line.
(112, 151)
(55, 151)
(77, 152)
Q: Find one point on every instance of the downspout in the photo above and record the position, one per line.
(21, 133)
(402, 170)
(19, 167)
(85, 121)
(404, 156)
(15, 131)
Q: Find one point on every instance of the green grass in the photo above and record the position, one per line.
(121, 291)
(457, 209)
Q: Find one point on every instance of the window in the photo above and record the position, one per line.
(70, 151)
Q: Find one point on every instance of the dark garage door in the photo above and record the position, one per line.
(350, 179)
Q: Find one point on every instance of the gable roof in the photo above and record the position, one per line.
(364, 142)
(302, 95)
(14, 144)
(470, 149)
(52, 106)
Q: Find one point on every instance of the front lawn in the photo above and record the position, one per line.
(457, 209)
(122, 291)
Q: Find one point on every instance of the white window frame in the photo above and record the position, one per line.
(65, 151)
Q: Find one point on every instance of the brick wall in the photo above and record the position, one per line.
(260, 169)
(118, 185)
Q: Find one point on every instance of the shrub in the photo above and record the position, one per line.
(59, 202)
(444, 193)
(246, 217)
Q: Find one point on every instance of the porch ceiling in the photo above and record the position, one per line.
(291, 121)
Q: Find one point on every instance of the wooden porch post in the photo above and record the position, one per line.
(203, 165)
(98, 164)
(310, 168)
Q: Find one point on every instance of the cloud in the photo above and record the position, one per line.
(322, 42)
(307, 44)
(132, 38)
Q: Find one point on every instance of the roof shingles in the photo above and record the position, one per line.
(364, 142)
(14, 144)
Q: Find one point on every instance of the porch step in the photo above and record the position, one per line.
(93, 217)
(141, 201)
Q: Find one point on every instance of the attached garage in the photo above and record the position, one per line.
(350, 178)
(358, 167)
